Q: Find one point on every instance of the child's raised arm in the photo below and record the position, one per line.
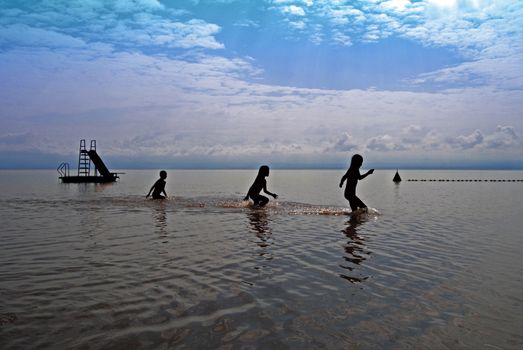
(366, 174)
(274, 195)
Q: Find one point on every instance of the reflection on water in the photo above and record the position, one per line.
(259, 223)
(90, 187)
(355, 249)
(160, 217)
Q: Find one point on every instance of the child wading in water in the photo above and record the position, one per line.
(260, 184)
(159, 187)
(352, 176)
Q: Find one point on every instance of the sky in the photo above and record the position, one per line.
(240, 83)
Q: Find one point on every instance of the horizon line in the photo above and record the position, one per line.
(520, 168)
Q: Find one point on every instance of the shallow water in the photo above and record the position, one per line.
(89, 266)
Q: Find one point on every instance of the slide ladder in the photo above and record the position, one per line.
(84, 163)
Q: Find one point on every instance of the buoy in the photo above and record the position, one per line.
(397, 178)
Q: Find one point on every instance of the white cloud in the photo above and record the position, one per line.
(293, 10)
(342, 39)
(500, 72)
(156, 31)
(345, 15)
(194, 33)
(247, 23)
(297, 24)
(23, 35)
(121, 23)
(305, 2)
(395, 5)
(136, 5)
(486, 34)
(442, 3)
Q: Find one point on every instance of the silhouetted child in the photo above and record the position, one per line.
(159, 187)
(260, 184)
(352, 176)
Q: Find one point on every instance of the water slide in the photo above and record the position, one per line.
(99, 164)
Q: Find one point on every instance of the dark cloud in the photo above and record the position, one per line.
(469, 141)
(384, 143)
(504, 137)
(345, 143)
(16, 139)
(414, 135)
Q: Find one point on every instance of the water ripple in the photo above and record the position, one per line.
(110, 270)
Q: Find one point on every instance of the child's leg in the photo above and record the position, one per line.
(358, 203)
(354, 202)
(263, 200)
(255, 199)
(260, 200)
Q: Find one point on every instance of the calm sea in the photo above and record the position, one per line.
(86, 266)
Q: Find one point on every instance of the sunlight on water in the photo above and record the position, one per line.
(429, 265)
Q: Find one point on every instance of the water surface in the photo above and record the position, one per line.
(89, 266)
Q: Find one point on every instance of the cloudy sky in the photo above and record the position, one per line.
(237, 83)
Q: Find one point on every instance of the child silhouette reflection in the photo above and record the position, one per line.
(356, 253)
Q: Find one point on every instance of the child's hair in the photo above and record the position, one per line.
(356, 161)
(264, 170)
(163, 174)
